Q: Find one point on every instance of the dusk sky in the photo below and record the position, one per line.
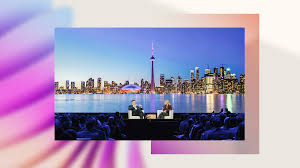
(120, 54)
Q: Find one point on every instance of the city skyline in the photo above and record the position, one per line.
(78, 84)
(84, 53)
(220, 80)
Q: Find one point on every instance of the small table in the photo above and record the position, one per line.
(151, 116)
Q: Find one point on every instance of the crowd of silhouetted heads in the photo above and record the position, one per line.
(223, 125)
(72, 126)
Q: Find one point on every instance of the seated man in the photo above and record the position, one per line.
(136, 110)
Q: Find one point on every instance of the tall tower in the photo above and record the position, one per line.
(197, 73)
(152, 59)
(192, 75)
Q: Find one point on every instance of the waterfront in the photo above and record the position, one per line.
(182, 103)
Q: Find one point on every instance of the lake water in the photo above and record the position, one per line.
(181, 103)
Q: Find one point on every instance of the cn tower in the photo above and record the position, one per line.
(152, 59)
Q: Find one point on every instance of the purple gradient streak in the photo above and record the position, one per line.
(135, 159)
(91, 155)
(107, 159)
(75, 154)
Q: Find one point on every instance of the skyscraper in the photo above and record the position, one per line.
(222, 71)
(106, 84)
(72, 85)
(216, 70)
(173, 80)
(152, 59)
(142, 83)
(90, 83)
(179, 84)
(162, 80)
(207, 71)
(82, 85)
(197, 73)
(67, 84)
(56, 85)
(99, 83)
(192, 75)
(179, 80)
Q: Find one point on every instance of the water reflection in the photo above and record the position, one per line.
(189, 103)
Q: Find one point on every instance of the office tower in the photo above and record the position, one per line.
(72, 85)
(179, 80)
(106, 84)
(56, 85)
(209, 81)
(152, 59)
(82, 85)
(242, 83)
(127, 82)
(162, 80)
(173, 80)
(142, 83)
(192, 75)
(197, 73)
(207, 71)
(179, 84)
(222, 71)
(99, 83)
(185, 86)
(242, 78)
(216, 70)
(90, 83)
(67, 84)
(169, 86)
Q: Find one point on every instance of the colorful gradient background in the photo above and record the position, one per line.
(27, 97)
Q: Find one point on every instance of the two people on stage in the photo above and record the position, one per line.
(138, 110)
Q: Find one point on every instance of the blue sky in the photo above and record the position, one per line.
(119, 54)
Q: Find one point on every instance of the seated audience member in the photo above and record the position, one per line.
(91, 132)
(184, 124)
(136, 110)
(240, 134)
(216, 133)
(166, 109)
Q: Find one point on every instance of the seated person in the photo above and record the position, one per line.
(136, 110)
(91, 132)
(166, 108)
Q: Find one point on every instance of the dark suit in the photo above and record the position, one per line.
(136, 111)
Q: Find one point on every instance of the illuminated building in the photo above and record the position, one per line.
(162, 80)
(130, 89)
(197, 73)
(142, 83)
(82, 86)
(216, 70)
(99, 83)
(72, 85)
(242, 84)
(67, 84)
(56, 85)
(185, 86)
(192, 75)
(179, 84)
(152, 59)
(209, 81)
(169, 86)
(222, 71)
(228, 75)
(90, 83)
(207, 71)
